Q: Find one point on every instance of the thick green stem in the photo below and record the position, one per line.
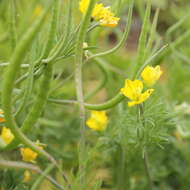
(44, 87)
(104, 106)
(9, 80)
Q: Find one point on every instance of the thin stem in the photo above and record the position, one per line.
(143, 38)
(145, 155)
(149, 60)
(22, 165)
(146, 165)
(79, 86)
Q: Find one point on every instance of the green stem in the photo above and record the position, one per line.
(43, 91)
(146, 165)
(152, 34)
(104, 106)
(148, 61)
(12, 34)
(145, 155)
(9, 80)
(79, 87)
(178, 42)
(143, 39)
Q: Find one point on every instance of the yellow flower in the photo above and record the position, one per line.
(100, 13)
(98, 120)
(133, 90)
(6, 135)
(1, 116)
(28, 154)
(27, 176)
(150, 75)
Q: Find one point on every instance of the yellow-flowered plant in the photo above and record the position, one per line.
(28, 154)
(133, 91)
(151, 74)
(6, 135)
(100, 13)
(98, 120)
(1, 116)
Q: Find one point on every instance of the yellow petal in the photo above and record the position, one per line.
(132, 89)
(144, 96)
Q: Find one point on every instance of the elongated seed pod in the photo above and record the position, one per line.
(9, 79)
(44, 87)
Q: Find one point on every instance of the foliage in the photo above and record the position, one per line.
(58, 66)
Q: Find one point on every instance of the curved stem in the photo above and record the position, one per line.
(106, 105)
(150, 60)
(43, 91)
(178, 42)
(9, 80)
(124, 37)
